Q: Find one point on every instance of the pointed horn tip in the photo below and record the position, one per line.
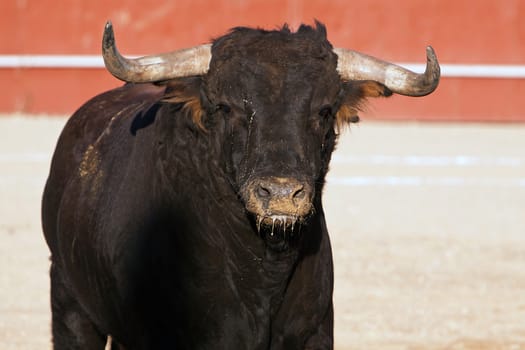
(108, 38)
(436, 69)
(431, 54)
(108, 30)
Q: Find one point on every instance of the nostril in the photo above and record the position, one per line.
(281, 190)
(299, 193)
(263, 192)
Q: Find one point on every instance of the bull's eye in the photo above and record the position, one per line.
(224, 107)
(325, 111)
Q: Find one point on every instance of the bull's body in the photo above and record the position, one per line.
(187, 213)
(159, 260)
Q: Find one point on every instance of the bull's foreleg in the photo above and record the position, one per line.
(71, 327)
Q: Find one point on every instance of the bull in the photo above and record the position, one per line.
(183, 209)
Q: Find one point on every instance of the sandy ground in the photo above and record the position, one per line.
(427, 223)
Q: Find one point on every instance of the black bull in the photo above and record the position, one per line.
(185, 212)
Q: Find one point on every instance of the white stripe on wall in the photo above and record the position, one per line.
(95, 61)
(475, 70)
(51, 61)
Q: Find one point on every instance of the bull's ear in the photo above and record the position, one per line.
(354, 97)
(186, 92)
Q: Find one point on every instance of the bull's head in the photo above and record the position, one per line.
(281, 97)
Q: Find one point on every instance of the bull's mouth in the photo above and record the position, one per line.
(279, 232)
(276, 224)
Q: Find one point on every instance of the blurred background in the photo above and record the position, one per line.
(480, 44)
(425, 200)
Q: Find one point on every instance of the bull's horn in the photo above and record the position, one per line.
(181, 63)
(353, 65)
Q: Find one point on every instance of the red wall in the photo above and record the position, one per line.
(461, 31)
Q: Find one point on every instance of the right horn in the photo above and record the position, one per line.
(353, 65)
(181, 63)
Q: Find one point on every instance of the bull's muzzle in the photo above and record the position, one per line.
(278, 200)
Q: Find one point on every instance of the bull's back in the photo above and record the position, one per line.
(87, 125)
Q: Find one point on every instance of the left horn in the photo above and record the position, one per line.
(353, 65)
(180, 63)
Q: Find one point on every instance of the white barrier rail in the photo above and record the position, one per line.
(51, 61)
(500, 71)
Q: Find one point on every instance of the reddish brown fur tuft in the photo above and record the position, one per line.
(192, 105)
(186, 92)
(355, 97)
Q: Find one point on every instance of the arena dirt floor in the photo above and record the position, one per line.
(427, 223)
